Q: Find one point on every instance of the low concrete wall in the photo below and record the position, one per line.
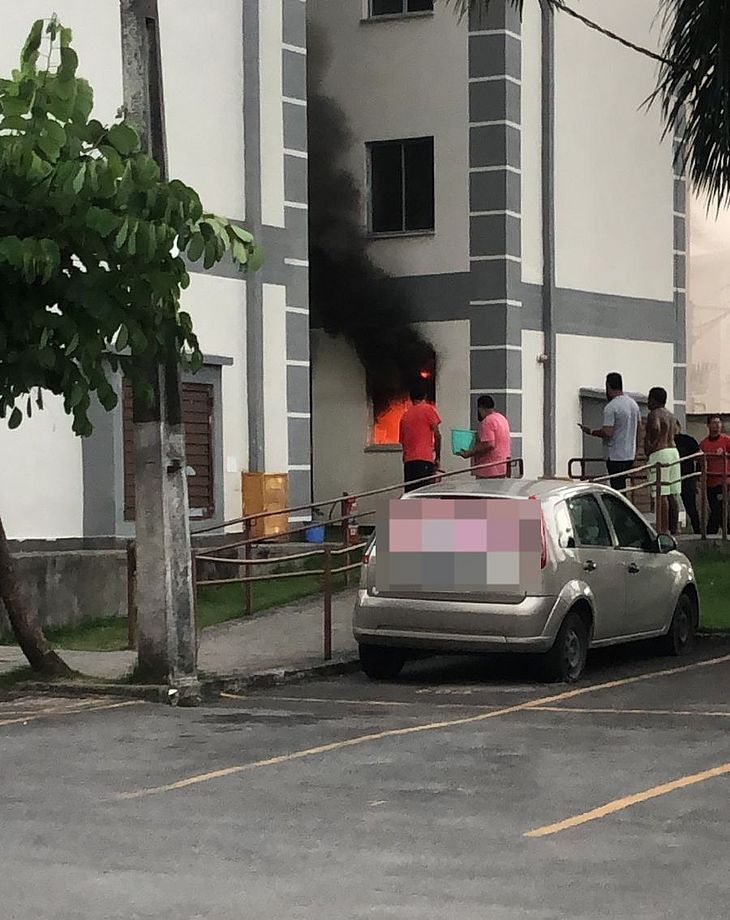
(68, 588)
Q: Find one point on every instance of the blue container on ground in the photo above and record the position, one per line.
(314, 534)
(462, 440)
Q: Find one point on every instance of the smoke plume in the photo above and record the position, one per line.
(350, 295)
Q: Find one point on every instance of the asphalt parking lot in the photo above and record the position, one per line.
(463, 790)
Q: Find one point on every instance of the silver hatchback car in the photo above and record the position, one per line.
(605, 577)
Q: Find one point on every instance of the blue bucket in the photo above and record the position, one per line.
(314, 534)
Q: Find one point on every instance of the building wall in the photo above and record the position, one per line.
(531, 144)
(382, 72)
(245, 78)
(579, 140)
(613, 174)
(583, 362)
(343, 461)
(708, 309)
(203, 101)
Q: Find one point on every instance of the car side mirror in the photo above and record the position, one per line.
(665, 543)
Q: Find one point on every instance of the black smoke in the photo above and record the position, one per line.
(350, 296)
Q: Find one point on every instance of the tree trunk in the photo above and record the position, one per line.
(22, 618)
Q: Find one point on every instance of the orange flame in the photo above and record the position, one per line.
(386, 427)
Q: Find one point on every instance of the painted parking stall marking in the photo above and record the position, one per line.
(529, 705)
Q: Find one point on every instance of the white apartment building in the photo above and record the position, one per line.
(519, 191)
(234, 92)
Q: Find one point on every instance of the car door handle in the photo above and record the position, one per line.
(590, 566)
(633, 568)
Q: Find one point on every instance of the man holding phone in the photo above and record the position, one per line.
(621, 417)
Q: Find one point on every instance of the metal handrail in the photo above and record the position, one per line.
(250, 518)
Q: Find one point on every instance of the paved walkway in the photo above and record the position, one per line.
(286, 637)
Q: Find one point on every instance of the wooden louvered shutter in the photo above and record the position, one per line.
(197, 407)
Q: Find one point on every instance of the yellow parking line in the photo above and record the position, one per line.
(65, 711)
(199, 778)
(636, 712)
(611, 808)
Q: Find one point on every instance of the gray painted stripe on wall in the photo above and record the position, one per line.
(300, 488)
(495, 54)
(295, 23)
(295, 74)
(297, 227)
(297, 340)
(300, 441)
(680, 383)
(494, 145)
(97, 458)
(295, 179)
(295, 125)
(491, 191)
(602, 315)
(495, 234)
(494, 100)
(680, 272)
(495, 324)
(680, 233)
(495, 279)
(297, 390)
(498, 15)
(498, 369)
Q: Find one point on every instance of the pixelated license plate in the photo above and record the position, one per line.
(459, 545)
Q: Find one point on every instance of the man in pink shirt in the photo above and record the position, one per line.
(493, 441)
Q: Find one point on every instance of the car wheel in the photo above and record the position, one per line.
(567, 658)
(680, 638)
(380, 662)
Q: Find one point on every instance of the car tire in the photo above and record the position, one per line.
(680, 638)
(566, 660)
(381, 662)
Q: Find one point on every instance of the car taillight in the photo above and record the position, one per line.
(543, 537)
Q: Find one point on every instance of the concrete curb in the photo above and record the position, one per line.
(210, 688)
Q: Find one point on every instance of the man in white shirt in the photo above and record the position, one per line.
(619, 433)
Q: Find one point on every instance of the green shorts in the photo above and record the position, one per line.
(671, 470)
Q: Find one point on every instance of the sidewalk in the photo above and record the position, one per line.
(289, 637)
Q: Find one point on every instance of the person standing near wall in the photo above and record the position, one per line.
(717, 447)
(420, 438)
(687, 446)
(619, 432)
(493, 441)
(659, 447)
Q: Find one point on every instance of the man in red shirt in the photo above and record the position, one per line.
(493, 441)
(717, 446)
(420, 439)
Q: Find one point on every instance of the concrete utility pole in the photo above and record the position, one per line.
(165, 603)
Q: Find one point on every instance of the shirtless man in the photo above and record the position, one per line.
(659, 447)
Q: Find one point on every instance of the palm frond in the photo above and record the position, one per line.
(694, 90)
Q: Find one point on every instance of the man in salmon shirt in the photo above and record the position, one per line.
(717, 446)
(493, 441)
(420, 439)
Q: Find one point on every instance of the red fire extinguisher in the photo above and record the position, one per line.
(350, 527)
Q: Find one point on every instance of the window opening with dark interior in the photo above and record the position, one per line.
(402, 186)
(399, 7)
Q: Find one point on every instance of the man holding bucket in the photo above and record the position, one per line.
(493, 442)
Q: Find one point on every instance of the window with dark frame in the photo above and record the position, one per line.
(402, 186)
(197, 408)
(399, 7)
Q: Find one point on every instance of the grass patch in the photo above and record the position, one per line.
(712, 571)
(216, 604)
(20, 675)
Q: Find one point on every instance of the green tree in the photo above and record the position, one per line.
(94, 254)
(693, 86)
